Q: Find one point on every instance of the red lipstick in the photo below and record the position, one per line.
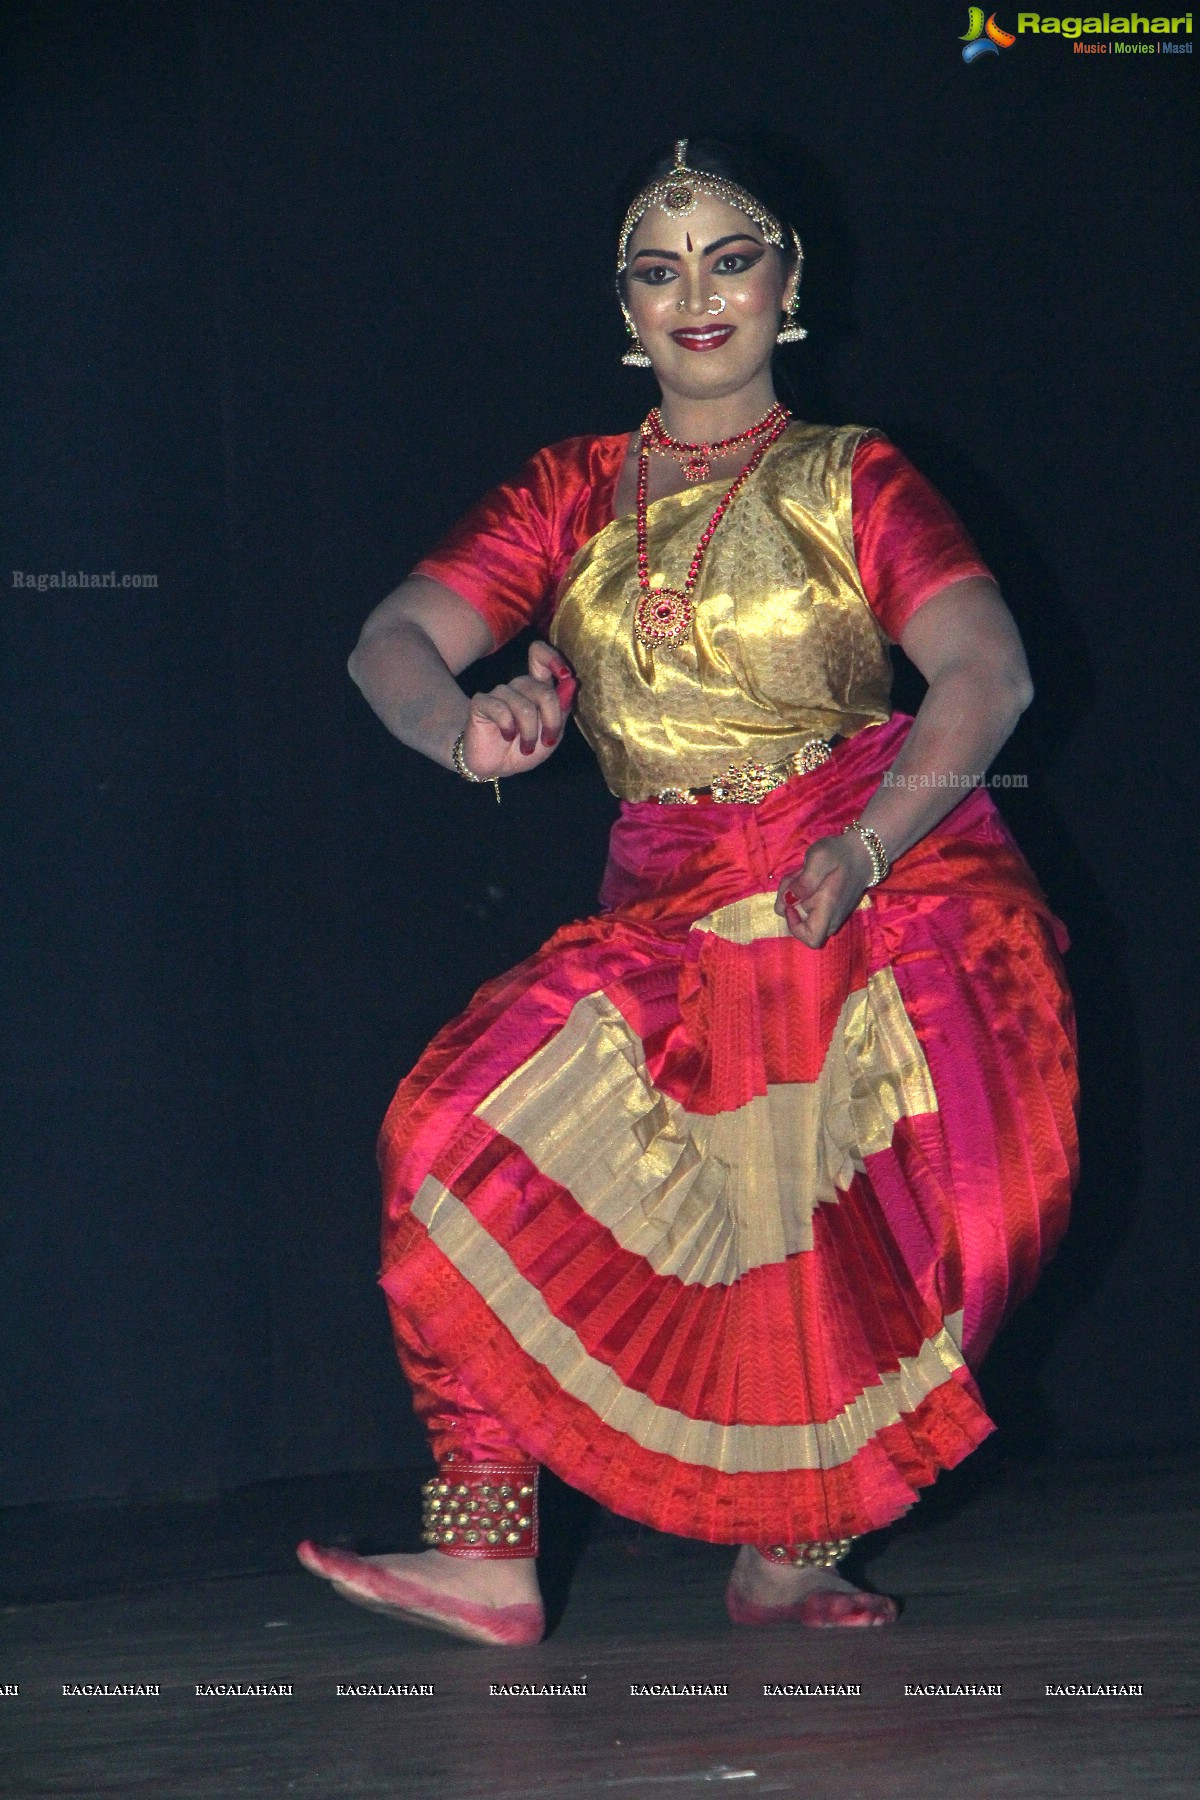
(703, 337)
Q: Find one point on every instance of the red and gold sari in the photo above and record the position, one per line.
(714, 1225)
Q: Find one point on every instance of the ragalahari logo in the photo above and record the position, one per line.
(983, 37)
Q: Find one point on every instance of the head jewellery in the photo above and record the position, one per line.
(678, 193)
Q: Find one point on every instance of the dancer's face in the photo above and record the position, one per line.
(705, 293)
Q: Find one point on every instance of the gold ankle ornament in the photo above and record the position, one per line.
(481, 1509)
(808, 1556)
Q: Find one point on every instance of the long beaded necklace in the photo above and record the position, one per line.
(663, 616)
(696, 459)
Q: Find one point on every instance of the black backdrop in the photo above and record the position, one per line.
(288, 284)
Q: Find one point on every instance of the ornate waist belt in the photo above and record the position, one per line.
(745, 784)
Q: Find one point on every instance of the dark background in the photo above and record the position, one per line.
(287, 285)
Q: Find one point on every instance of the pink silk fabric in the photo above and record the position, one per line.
(912, 1266)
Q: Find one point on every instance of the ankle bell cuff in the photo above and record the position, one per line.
(821, 1555)
(481, 1509)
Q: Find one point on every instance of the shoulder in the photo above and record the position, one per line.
(565, 490)
(586, 446)
(826, 447)
(548, 486)
(813, 462)
(838, 459)
(909, 542)
(829, 439)
(579, 461)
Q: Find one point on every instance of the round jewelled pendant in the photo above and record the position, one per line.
(697, 468)
(663, 618)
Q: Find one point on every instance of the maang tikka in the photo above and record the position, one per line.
(676, 194)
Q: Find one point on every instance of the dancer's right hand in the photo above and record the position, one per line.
(517, 725)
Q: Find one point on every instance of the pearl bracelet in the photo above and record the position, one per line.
(459, 760)
(880, 863)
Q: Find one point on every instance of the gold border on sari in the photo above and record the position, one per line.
(730, 1449)
(706, 1197)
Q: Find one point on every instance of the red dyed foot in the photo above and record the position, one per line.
(822, 1608)
(367, 1582)
(828, 1608)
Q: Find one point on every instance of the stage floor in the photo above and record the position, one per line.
(1055, 1576)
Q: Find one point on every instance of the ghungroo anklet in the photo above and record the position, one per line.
(481, 1509)
(808, 1556)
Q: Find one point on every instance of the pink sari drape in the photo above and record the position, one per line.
(717, 1226)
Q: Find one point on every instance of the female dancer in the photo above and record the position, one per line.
(713, 1204)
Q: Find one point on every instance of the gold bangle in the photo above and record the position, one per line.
(459, 760)
(880, 862)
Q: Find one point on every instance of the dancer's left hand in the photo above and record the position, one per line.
(818, 897)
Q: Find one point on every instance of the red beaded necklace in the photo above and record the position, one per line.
(664, 615)
(696, 459)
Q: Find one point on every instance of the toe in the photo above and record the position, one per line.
(829, 1608)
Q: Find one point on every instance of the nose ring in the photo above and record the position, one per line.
(720, 304)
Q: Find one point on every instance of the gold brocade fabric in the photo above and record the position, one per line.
(784, 646)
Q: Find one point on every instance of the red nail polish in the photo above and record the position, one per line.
(508, 736)
(549, 739)
(527, 749)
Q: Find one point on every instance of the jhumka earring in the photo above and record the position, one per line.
(790, 332)
(635, 357)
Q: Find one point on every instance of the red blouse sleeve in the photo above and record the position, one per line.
(908, 540)
(507, 557)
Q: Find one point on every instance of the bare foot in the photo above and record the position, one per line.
(488, 1600)
(763, 1593)
(499, 1581)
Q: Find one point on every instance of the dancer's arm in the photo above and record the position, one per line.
(965, 643)
(408, 654)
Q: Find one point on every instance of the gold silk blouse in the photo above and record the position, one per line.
(784, 645)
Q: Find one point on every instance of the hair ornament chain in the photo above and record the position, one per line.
(678, 193)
